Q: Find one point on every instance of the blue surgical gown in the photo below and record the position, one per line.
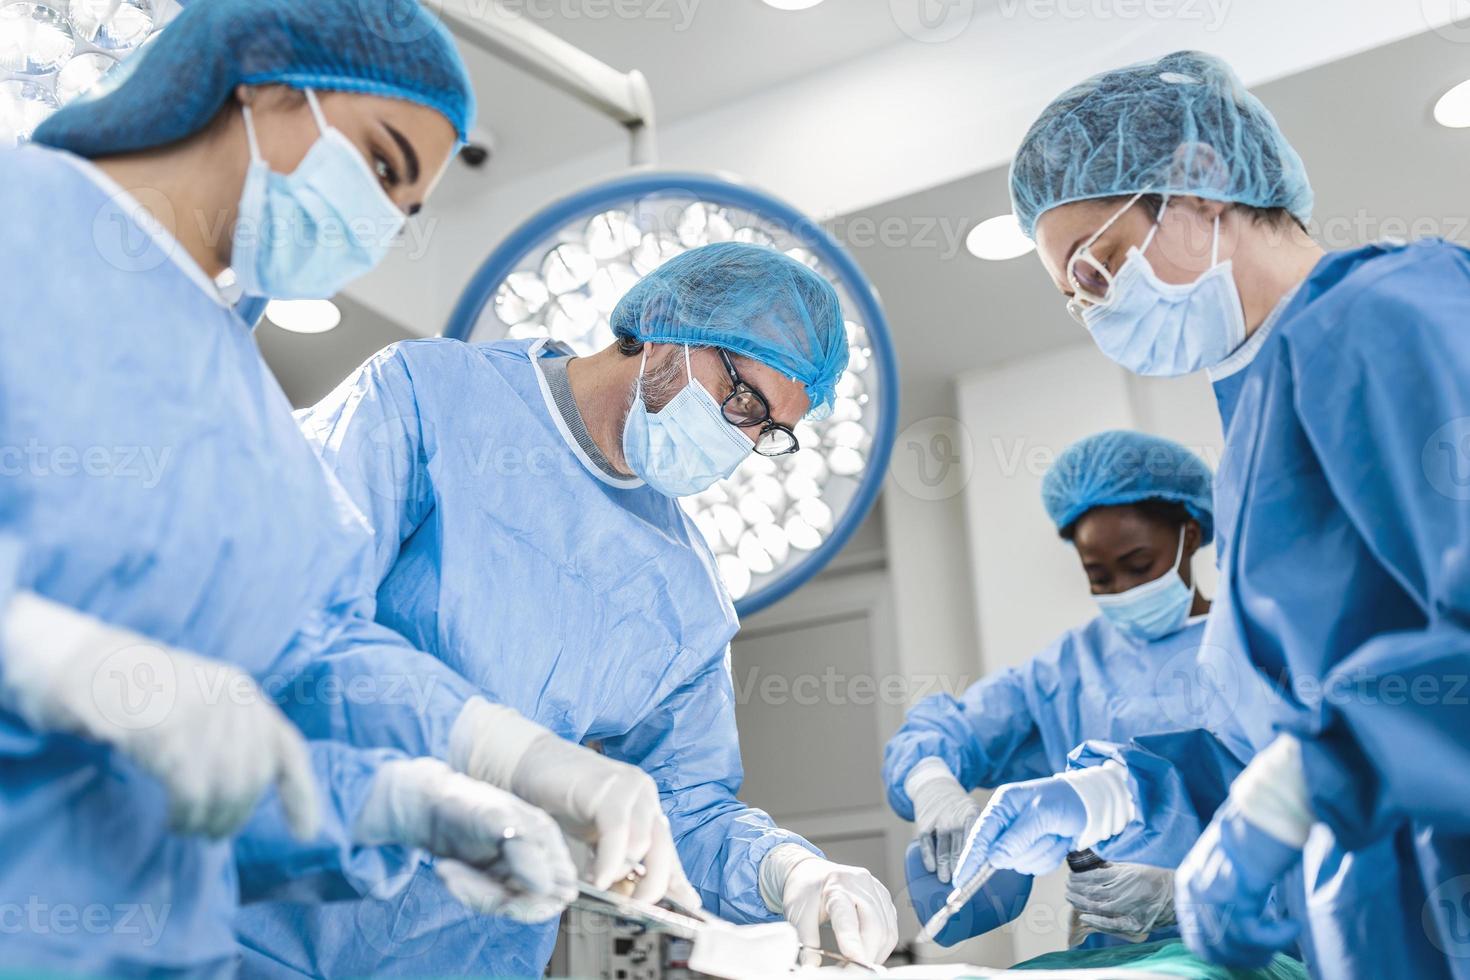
(153, 478)
(1344, 515)
(590, 605)
(1021, 723)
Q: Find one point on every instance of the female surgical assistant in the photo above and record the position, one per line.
(1136, 508)
(169, 536)
(1340, 501)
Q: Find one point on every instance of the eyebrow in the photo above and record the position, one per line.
(409, 156)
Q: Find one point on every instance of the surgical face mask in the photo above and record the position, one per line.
(1153, 610)
(685, 447)
(306, 234)
(1162, 329)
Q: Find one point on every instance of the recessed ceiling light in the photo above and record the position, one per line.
(792, 4)
(998, 238)
(303, 315)
(1453, 108)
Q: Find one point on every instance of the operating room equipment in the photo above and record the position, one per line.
(776, 522)
(51, 54)
(958, 898)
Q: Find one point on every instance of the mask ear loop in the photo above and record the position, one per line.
(1179, 555)
(642, 366)
(1148, 240)
(1215, 248)
(316, 111)
(688, 369)
(250, 134)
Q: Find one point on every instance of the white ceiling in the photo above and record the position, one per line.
(697, 54)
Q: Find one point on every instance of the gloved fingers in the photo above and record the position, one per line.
(658, 864)
(610, 862)
(1126, 926)
(926, 851)
(531, 910)
(842, 916)
(295, 782)
(878, 920)
(681, 891)
(1036, 857)
(1266, 937)
(471, 887)
(646, 818)
(806, 916)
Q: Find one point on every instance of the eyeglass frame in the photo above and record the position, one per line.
(1081, 299)
(740, 386)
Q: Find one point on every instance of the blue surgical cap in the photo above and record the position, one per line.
(181, 80)
(748, 299)
(1124, 467)
(1181, 125)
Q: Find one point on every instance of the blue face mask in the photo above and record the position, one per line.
(1153, 610)
(306, 234)
(1162, 329)
(687, 446)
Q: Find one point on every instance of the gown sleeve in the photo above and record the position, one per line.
(987, 736)
(1385, 404)
(689, 745)
(368, 433)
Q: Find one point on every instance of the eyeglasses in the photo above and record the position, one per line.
(1090, 280)
(745, 406)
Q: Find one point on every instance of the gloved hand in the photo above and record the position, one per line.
(201, 727)
(495, 853)
(1128, 900)
(612, 805)
(943, 815)
(813, 890)
(1224, 883)
(1029, 827)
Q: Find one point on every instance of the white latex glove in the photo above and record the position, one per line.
(1128, 900)
(613, 806)
(201, 727)
(943, 815)
(496, 854)
(814, 890)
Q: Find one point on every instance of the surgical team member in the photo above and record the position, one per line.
(529, 533)
(1169, 210)
(1136, 508)
(165, 531)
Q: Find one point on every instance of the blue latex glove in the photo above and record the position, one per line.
(1222, 888)
(1028, 827)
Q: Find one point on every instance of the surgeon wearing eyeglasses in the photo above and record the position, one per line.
(529, 534)
(1171, 212)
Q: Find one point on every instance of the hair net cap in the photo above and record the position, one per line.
(181, 79)
(749, 299)
(1124, 467)
(1181, 125)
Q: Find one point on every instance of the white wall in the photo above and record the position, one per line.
(1027, 583)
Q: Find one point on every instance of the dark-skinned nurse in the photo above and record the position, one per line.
(1136, 508)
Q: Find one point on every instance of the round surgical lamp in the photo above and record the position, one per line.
(776, 522)
(53, 51)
